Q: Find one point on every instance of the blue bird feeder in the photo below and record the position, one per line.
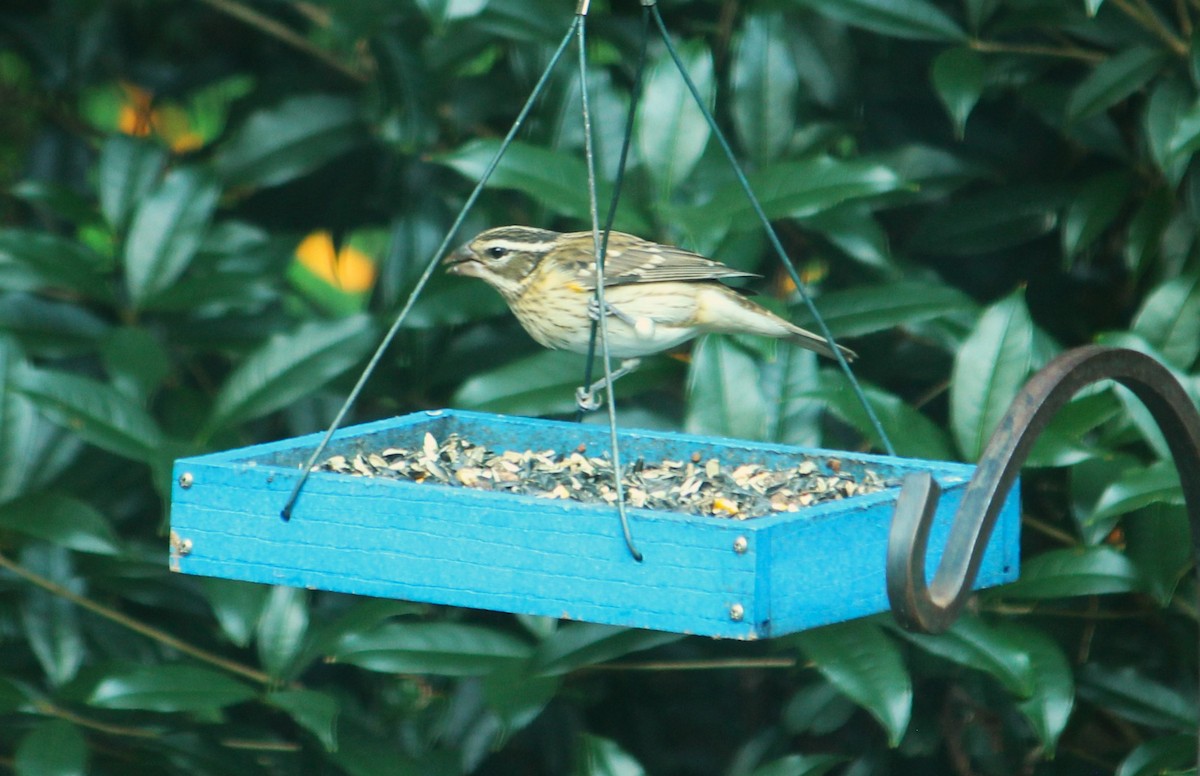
(459, 546)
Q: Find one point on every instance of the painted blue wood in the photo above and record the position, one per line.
(473, 548)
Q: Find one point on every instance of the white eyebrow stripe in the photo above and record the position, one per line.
(515, 245)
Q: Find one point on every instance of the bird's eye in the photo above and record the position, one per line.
(496, 252)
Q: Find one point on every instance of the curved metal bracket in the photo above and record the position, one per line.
(933, 608)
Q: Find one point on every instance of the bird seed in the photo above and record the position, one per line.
(694, 486)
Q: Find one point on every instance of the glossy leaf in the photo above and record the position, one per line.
(868, 309)
(1075, 572)
(958, 78)
(19, 422)
(974, 644)
(316, 712)
(912, 19)
(166, 231)
(990, 367)
(671, 130)
(50, 328)
(854, 230)
(800, 765)
(1092, 211)
(1158, 541)
(50, 622)
(236, 605)
(998, 218)
(554, 179)
(1113, 80)
(441, 648)
(1048, 708)
(54, 261)
(54, 746)
(1169, 103)
(586, 644)
(796, 189)
(792, 415)
(862, 662)
(277, 144)
(765, 84)
(598, 756)
(724, 391)
(62, 520)
(96, 412)
(1131, 694)
(912, 433)
(128, 169)
(518, 695)
(289, 366)
(1159, 755)
(1137, 488)
(282, 627)
(174, 687)
(1169, 320)
(136, 362)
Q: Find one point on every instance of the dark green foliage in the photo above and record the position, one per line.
(971, 187)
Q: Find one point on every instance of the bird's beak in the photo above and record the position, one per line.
(461, 262)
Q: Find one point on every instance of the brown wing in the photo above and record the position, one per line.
(630, 259)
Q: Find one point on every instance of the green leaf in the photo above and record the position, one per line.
(517, 695)
(441, 648)
(56, 262)
(1048, 708)
(281, 630)
(958, 79)
(1094, 208)
(587, 644)
(795, 189)
(316, 712)
(167, 688)
(867, 309)
(724, 394)
(1129, 693)
(544, 383)
(51, 622)
(989, 369)
(1072, 572)
(1140, 487)
(793, 417)
(278, 144)
(236, 605)
(51, 328)
(765, 82)
(1158, 541)
(166, 230)
(127, 171)
(853, 230)
(1159, 755)
(96, 412)
(554, 179)
(1113, 80)
(1165, 111)
(972, 643)
(55, 747)
(912, 433)
(136, 361)
(1169, 320)
(60, 519)
(1147, 227)
(862, 662)
(598, 756)
(671, 130)
(800, 765)
(289, 366)
(909, 19)
(998, 218)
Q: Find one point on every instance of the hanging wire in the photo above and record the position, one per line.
(627, 141)
(599, 246)
(286, 512)
(770, 230)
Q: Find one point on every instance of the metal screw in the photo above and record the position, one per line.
(740, 545)
(737, 612)
(186, 479)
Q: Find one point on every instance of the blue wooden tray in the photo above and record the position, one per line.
(713, 576)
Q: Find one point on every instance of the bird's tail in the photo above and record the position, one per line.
(817, 343)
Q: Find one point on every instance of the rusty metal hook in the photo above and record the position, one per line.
(933, 608)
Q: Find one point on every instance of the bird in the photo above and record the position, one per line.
(656, 296)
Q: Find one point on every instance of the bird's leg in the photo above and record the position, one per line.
(643, 327)
(585, 398)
